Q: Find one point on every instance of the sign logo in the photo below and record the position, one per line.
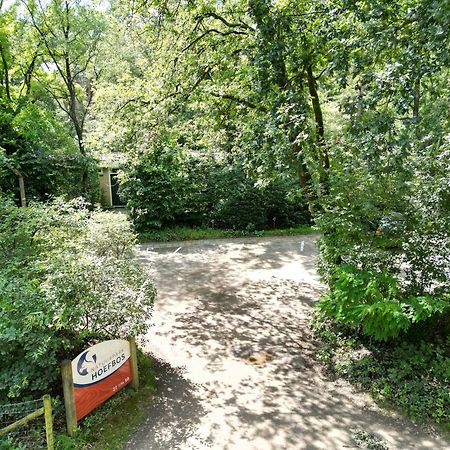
(98, 373)
(83, 362)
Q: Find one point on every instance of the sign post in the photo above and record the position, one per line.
(134, 364)
(95, 375)
(69, 397)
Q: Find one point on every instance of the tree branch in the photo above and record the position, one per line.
(6, 72)
(213, 30)
(214, 15)
(241, 101)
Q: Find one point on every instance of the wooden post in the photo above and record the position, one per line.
(22, 421)
(23, 198)
(69, 397)
(134, 363)
(48, 421)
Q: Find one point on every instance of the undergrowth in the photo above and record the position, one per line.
(411, 374)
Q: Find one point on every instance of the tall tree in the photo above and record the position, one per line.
(70, 32)
(38, 151)
(259, 65)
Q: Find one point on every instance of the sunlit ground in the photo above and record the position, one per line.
(237, 359)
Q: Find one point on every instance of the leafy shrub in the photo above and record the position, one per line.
(155, 189)
(388, 207)
(240, 205)
(413, 376)
(29, 346)
(164, 188)
(372, 300)
(67, 278)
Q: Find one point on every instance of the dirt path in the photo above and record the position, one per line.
(223, 303)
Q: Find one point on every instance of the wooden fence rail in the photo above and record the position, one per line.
(46, 411)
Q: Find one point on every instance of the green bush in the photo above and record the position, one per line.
(154, 189)
(67, 278)
(166, 188)
(240, 204)
(388, 207)
(413, 375)
(372, 301)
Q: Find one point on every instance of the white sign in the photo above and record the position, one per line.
(99, 362)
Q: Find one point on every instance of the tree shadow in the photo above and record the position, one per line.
(174, 414)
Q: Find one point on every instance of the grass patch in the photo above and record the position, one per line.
(110, 425)
(411, 376)
(186, 233)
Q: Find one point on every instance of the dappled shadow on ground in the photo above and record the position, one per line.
(219, 304)
(174, 414)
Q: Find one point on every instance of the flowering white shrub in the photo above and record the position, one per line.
(67, 279)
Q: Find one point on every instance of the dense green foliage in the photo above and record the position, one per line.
(45, 93)
(372, 300)
(413, 376)
(337, 98)
(33, 142)
(67, 277)
(165, 188)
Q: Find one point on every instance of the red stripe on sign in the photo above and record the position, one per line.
(89, 397)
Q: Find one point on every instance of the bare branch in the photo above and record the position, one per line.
(241, 101)
(317, 77)
(214, 15)
(213, 30)
(27, 75)
(46, 43)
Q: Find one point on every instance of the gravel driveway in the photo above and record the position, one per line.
(236, 357)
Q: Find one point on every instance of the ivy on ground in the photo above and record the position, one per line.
(412, 375)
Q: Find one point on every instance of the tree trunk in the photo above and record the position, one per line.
(85, 178)
(6, 72)
(318, 116)
(29, 73)
(320, 132)
(23, 198)
(273, 45)
(305, 179)
(76, 123)
(79, 132)
(416, 99)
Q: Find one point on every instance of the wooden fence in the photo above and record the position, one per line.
(45, 410)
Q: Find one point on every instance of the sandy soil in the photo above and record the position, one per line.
(236, 357)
